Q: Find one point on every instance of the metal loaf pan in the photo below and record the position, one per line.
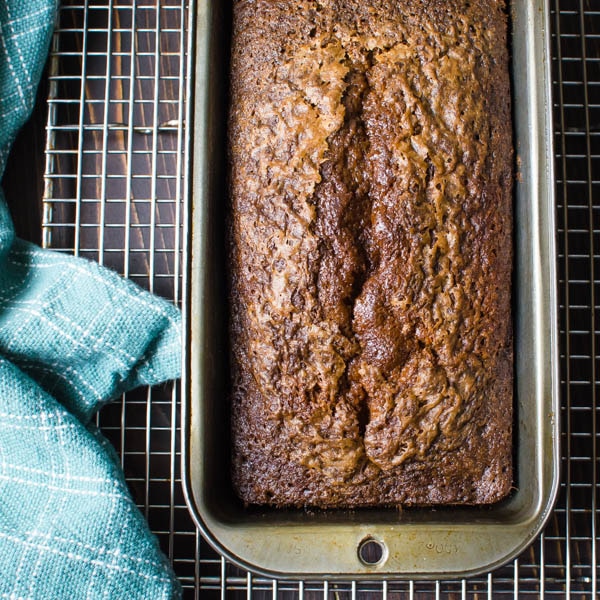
(417, 543)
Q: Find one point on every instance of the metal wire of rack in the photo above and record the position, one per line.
(116, 156)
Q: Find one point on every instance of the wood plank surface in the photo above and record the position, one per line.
(23, 181)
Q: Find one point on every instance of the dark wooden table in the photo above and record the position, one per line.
(23, 180)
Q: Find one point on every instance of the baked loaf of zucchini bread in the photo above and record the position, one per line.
(370, 252)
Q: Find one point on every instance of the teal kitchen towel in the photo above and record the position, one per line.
(73, 336)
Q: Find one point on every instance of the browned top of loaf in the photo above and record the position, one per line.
(371, 252)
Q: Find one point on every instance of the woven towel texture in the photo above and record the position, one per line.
(72, 337)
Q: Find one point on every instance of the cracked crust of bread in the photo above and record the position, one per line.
(370, 244)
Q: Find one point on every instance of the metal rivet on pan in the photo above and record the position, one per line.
(372, 552)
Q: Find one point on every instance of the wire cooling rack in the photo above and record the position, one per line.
(116, 155)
